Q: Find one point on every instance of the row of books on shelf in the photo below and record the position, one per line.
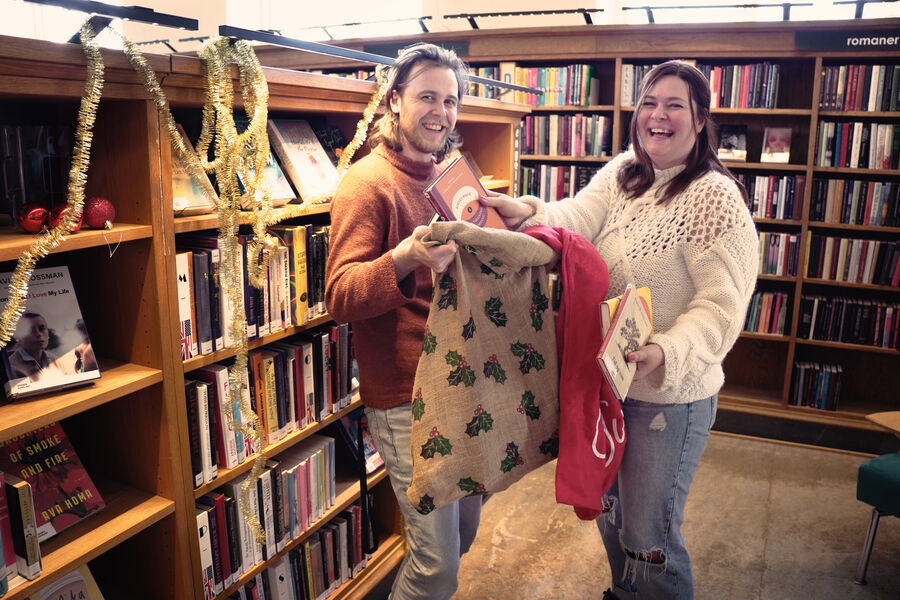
(567, 134)
(874, 88)
(816, 385)
(486, 91)
(875, 262)
(44, 489)
(849, 320)
(767, 313)
(779, 253)
(774, 196)
(289, 385)
(857, 145)
(570, 85)
(330, 557)
(753, 85)
(292, 494)
(555, 182)
(855, 202)
(293, 291)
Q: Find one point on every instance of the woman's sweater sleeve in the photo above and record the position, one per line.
(722, 259)
(360, 281)
(585, 213)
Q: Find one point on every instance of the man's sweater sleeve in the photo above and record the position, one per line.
(360, 281)
(723, 268)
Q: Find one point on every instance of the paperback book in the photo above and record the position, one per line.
(76, 585)
(733, 142)
(456, 196)
(302, 157)
(62, 490)
(50, 348)
(189, 196)
(776, 145)
(630, 326)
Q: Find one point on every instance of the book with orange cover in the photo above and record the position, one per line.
(456, 196)
(629, 329)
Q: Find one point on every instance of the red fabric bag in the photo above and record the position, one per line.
(591, 423)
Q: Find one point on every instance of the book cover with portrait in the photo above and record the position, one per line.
(50, 348)
(776, 146)
(62, 491)
(732, 142)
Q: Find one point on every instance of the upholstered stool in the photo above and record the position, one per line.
(878, 484)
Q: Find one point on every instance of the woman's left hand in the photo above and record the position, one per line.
(647, 358)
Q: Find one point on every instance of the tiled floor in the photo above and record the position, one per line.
(764, 521)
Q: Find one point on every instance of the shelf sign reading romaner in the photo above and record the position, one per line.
(878, 39)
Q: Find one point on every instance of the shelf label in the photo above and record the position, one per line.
(876, 39)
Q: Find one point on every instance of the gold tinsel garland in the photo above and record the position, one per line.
(47, 241)
(244, 153)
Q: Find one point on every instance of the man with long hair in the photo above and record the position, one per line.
(379, 278)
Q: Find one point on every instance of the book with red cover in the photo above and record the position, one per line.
(456, 196)
(629, 330)
(62, 489)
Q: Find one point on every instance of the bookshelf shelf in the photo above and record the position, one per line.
(14, 243)
(568, 159)
(765, 166)
(845, 346)
(117, 380)
(211, 220)
(850, 284)
(127, 512)
(849, 227)
(573, 109)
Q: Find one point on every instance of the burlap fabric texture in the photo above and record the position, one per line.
(485, 407)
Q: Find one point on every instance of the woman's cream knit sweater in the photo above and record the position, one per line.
(698, 254)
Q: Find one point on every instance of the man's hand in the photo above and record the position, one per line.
(513, 211)
(647, 359)
(411, 253)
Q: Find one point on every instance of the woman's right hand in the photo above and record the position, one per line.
(513, 210)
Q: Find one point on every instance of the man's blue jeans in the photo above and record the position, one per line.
(642, 529)
(434, 541)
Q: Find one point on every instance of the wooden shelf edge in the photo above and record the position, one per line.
(565, 158)
(211, 220)
(128, 511)
(117, 379)
(795, 413)
(14, 243)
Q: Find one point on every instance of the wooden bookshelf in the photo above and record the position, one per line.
(759, 370)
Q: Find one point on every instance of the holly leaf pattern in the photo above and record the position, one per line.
(436, 445)
(480, 422)
(550, 447)
(539, 303)
(469, 329)
(493, 309)
(429, 343)
(468, 484)
(426, 504)
(528, 407)
(512, 458)
(448, 292)
(531, 358)
(418, 406)
(486, 270)
(493, 369)
(494, 262)
(462, 373)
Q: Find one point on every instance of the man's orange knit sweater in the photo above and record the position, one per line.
(379, 202)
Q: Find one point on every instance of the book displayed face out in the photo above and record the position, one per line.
(50, 348)
(732, 142)
(456, 196)
(776, 145)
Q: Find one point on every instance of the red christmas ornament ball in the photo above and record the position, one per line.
(57, 214)
(99, 213)
(33, 217)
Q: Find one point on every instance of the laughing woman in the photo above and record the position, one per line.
(667, 215)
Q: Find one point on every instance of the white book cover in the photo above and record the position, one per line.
(223, 404)
(268, 511)
(248, 446)
(629, 330)
(189, 348)
(206, 557)
(273, 280)
(50, 348)
(245, 535)
(281, 584)
(309, 384)
(210, 471)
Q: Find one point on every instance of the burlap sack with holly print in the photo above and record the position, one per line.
(485, 405)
